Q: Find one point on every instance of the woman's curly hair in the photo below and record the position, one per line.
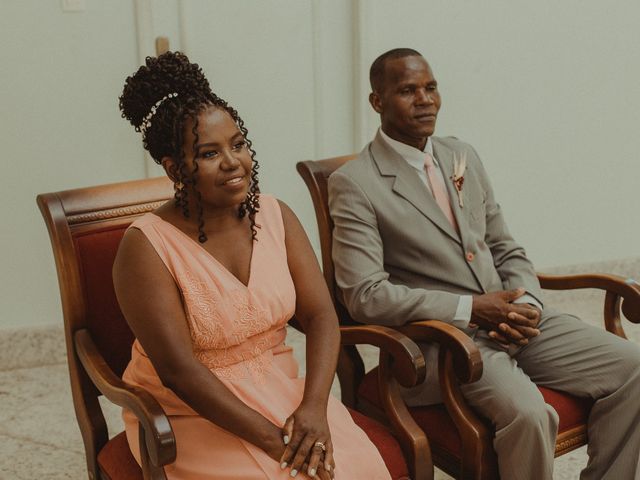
(161, 76)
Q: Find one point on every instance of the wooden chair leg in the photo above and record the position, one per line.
(93, 426)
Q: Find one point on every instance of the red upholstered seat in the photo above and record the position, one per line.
(385, 443)
(439, 427)
(116, 461)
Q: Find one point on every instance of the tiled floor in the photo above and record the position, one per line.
(39, 437)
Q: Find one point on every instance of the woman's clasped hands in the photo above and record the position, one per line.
(308, 443)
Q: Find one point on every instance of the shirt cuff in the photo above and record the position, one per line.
(526, 298)
(463, 312)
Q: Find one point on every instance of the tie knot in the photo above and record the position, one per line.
(428, 161)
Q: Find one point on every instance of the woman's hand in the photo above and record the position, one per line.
(305, 432)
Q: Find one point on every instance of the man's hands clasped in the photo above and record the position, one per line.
(308, 443)
(506, 322)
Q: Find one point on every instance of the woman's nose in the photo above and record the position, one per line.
(229, 161)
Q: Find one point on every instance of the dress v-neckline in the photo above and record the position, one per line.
(212, 257)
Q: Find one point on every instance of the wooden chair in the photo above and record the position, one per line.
(461, 442)
(85, 227)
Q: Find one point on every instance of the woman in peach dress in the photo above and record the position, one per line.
(208, 282)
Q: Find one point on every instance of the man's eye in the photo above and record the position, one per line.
(209, 154)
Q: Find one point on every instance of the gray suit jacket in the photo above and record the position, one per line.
(397, 259)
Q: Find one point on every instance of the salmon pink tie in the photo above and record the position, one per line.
(439, 190)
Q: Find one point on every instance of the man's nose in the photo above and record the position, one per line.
(423, 96)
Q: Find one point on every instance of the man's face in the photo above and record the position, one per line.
(408, 100)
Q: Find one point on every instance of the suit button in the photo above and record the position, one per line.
(470, 256)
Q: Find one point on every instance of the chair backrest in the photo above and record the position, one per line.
(316, 174)
(85, 227)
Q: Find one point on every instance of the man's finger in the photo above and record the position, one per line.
(516, 317)
(526, 310)
(511, 295)
(512, 334)
(527, 331)
(499, 338)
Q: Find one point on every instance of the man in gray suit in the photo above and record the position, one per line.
(419, 235)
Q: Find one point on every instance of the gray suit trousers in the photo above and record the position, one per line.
(573, 357)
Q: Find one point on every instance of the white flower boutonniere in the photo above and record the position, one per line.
(459, 166)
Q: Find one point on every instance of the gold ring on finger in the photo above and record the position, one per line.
(321, 445)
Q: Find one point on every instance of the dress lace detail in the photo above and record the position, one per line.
(249, 320)
(202, 305)
(234, 348)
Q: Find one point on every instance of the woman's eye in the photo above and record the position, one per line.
(239, 145)
(209, 154)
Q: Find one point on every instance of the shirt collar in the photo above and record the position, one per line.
(412, 155)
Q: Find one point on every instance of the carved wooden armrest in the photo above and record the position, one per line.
(408, 361)
(158, 434)
(466, 358)
(623, 294)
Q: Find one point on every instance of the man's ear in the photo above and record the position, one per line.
(170, 168)
(374, 100)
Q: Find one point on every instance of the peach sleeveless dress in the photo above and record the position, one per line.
(238, 332)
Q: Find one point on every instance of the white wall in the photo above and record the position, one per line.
(60, 128)
(547, 93)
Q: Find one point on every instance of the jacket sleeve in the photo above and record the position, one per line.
(358, 256)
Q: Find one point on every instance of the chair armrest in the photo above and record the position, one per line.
(627, 289)
(408, 362)
(159, 437)
(467, 361)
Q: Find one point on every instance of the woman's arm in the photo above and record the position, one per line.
(152, 305)
(315, 312)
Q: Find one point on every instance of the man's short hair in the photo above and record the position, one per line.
(376, 72)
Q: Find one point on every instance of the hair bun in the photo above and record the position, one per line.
(171, 72)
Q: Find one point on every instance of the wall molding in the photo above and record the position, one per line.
(363, 21)
(146, 47)
(317, 49)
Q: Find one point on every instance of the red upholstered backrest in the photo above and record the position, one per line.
(96, 251)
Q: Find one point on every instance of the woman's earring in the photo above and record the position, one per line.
(178, 186)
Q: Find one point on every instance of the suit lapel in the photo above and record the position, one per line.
(408, 185)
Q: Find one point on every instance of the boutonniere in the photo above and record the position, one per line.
(459, 166)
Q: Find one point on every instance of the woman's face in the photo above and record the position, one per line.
(224, 161)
